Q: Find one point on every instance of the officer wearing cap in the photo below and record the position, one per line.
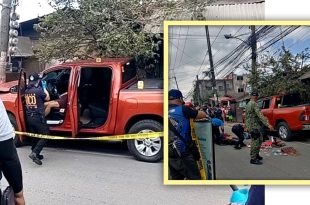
(35, 96)
(182, 162)
(254, 120)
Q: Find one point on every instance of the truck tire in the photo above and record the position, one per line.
(17, 141)
(284, 131)
(147, 150)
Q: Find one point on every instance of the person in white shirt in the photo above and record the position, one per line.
(9, 161)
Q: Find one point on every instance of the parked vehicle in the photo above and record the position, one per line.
(287, 113)
(103, 99)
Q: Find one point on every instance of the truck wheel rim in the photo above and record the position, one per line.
(283, 132)
(149, 146)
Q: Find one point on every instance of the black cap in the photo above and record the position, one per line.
(254, 93)
(175, 94)
(34, 77)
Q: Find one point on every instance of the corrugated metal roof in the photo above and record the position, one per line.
(254, 11)
(226, 2)
(245, 11)
(305, 76)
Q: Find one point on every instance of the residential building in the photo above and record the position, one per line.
(233, 86)
(28, 41)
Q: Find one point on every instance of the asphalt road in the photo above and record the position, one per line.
(105, 173)
(234, 164)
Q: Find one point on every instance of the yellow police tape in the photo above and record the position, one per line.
(101, 138)
(200, 163)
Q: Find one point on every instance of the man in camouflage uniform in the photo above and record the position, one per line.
(254, 120)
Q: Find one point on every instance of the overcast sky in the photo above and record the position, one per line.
(29, 9)
(188, 47)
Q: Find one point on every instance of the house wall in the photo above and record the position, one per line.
(234, 86)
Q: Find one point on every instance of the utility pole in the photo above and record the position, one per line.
(4, 37)
(198, 90)
(211, 65)
(254, 55)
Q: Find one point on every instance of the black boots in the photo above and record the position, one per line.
(40, 157)
(256, 161)
(35, 158)
(237, 147)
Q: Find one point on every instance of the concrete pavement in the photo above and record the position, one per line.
(234, 164)
(105, 174)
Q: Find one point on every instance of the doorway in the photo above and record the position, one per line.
(94, 91)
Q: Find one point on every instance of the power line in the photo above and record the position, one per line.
(268, 44)
(176, 56)
(217, 35)
(184, 46)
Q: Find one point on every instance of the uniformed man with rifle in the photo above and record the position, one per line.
(254, 122)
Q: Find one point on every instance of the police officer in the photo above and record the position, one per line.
(182, 162)
(254, 120)
(35, 95)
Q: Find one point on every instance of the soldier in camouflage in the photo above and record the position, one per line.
(254, 120)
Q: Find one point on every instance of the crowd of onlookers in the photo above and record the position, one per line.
(223, 112)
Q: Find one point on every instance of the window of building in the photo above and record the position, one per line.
(239, 77)
(221, 88)
(240, 90)
(209, 88)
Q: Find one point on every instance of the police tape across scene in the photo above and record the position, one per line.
(100, 138)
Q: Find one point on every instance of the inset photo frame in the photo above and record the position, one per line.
(237, 102)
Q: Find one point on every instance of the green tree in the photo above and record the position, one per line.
(280, 74)
(108, 28)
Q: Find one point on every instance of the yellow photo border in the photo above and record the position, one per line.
(166, 83)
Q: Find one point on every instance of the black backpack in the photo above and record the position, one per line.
(176, 141)
(7, 197)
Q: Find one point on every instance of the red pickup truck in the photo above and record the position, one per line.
(287, 114)
(103, 99)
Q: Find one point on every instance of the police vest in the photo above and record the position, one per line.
(179, 121)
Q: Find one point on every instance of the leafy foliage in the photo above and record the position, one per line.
(279, 75)
(107, 28)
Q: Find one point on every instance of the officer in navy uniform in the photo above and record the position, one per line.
(182, 165)
(35, 96)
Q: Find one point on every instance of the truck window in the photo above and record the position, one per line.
(57, 82)
(130, 71)
(266, 104)
(291, 100)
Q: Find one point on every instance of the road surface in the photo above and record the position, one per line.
(105, 173)
(234, 164)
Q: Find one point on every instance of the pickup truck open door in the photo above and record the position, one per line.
(73, 101)
(20, 99)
